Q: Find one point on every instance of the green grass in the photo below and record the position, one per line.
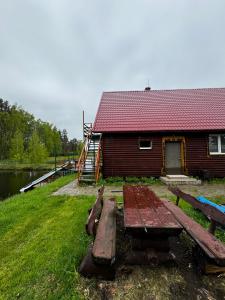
(217, 180)
(42, 241)
(199, 217)
(117, 181)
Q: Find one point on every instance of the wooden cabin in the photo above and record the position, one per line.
(159, 132)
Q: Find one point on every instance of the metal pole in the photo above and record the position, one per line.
(83, 126)
(55, 156)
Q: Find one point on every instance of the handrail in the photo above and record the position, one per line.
(83, 155)
(98, 162)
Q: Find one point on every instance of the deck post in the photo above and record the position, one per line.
(212, 227)
(177, 201)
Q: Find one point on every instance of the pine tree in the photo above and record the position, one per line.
(17, 147)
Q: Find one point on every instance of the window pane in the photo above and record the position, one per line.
(222, 143)
(145, 144)
(213, 143)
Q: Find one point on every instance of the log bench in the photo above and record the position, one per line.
(215, 216)
(210, 252)
(101, 224)
(95, 213)
(104, 248)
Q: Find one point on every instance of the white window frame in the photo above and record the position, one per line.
(145, 148)
(219, 145)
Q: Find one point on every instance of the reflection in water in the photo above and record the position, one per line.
(12, 181)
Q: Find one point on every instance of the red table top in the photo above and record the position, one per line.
(143, 209)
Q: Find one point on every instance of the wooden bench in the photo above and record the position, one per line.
(101, 224)
(215, 216)
(95, 213)
(212, 247)
(104, 248)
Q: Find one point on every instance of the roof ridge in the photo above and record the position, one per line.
(165, 90)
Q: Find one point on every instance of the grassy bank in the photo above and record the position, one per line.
(42, 241)
(47, 165)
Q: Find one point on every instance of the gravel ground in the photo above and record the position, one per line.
(207, 189)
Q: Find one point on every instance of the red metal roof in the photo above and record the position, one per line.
(161, 110)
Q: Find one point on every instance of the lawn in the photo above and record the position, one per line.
(42, 242)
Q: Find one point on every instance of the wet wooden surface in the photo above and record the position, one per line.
(143, 209)
(104, 247)
(95, 213)
(214, 248)
(211, 212)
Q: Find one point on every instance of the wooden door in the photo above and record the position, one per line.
(173, 158)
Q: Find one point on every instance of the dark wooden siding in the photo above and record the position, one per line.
(198, 157)
(122, 156)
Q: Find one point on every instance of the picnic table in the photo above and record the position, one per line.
(144, 211)
(149, 223)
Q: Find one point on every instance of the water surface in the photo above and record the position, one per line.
(12, 181)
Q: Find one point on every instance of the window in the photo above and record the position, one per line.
(145, 144)
(217, 144)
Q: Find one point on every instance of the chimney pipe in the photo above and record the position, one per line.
(148, 88)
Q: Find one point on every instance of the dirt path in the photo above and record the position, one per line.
(206, 189)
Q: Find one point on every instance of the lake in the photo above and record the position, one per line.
(12, 181)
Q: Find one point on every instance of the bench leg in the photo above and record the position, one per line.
(204, 264)
(89, 268)
(212, 227)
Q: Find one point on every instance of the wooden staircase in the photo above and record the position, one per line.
(89, 163)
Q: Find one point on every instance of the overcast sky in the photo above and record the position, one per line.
(57, 57)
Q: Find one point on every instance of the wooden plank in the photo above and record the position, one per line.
(104, 247)
(95, 214)
(214, 248)
(143, 209)
(208, 210)
(213, 269)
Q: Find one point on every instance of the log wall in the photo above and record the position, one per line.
(122, 156)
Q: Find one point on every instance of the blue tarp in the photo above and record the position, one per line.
(202, 199)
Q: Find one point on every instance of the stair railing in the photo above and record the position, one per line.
(83, 155)
(98, 162)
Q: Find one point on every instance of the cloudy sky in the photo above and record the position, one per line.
(57, 57)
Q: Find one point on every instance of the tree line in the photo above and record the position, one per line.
(26, 139)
